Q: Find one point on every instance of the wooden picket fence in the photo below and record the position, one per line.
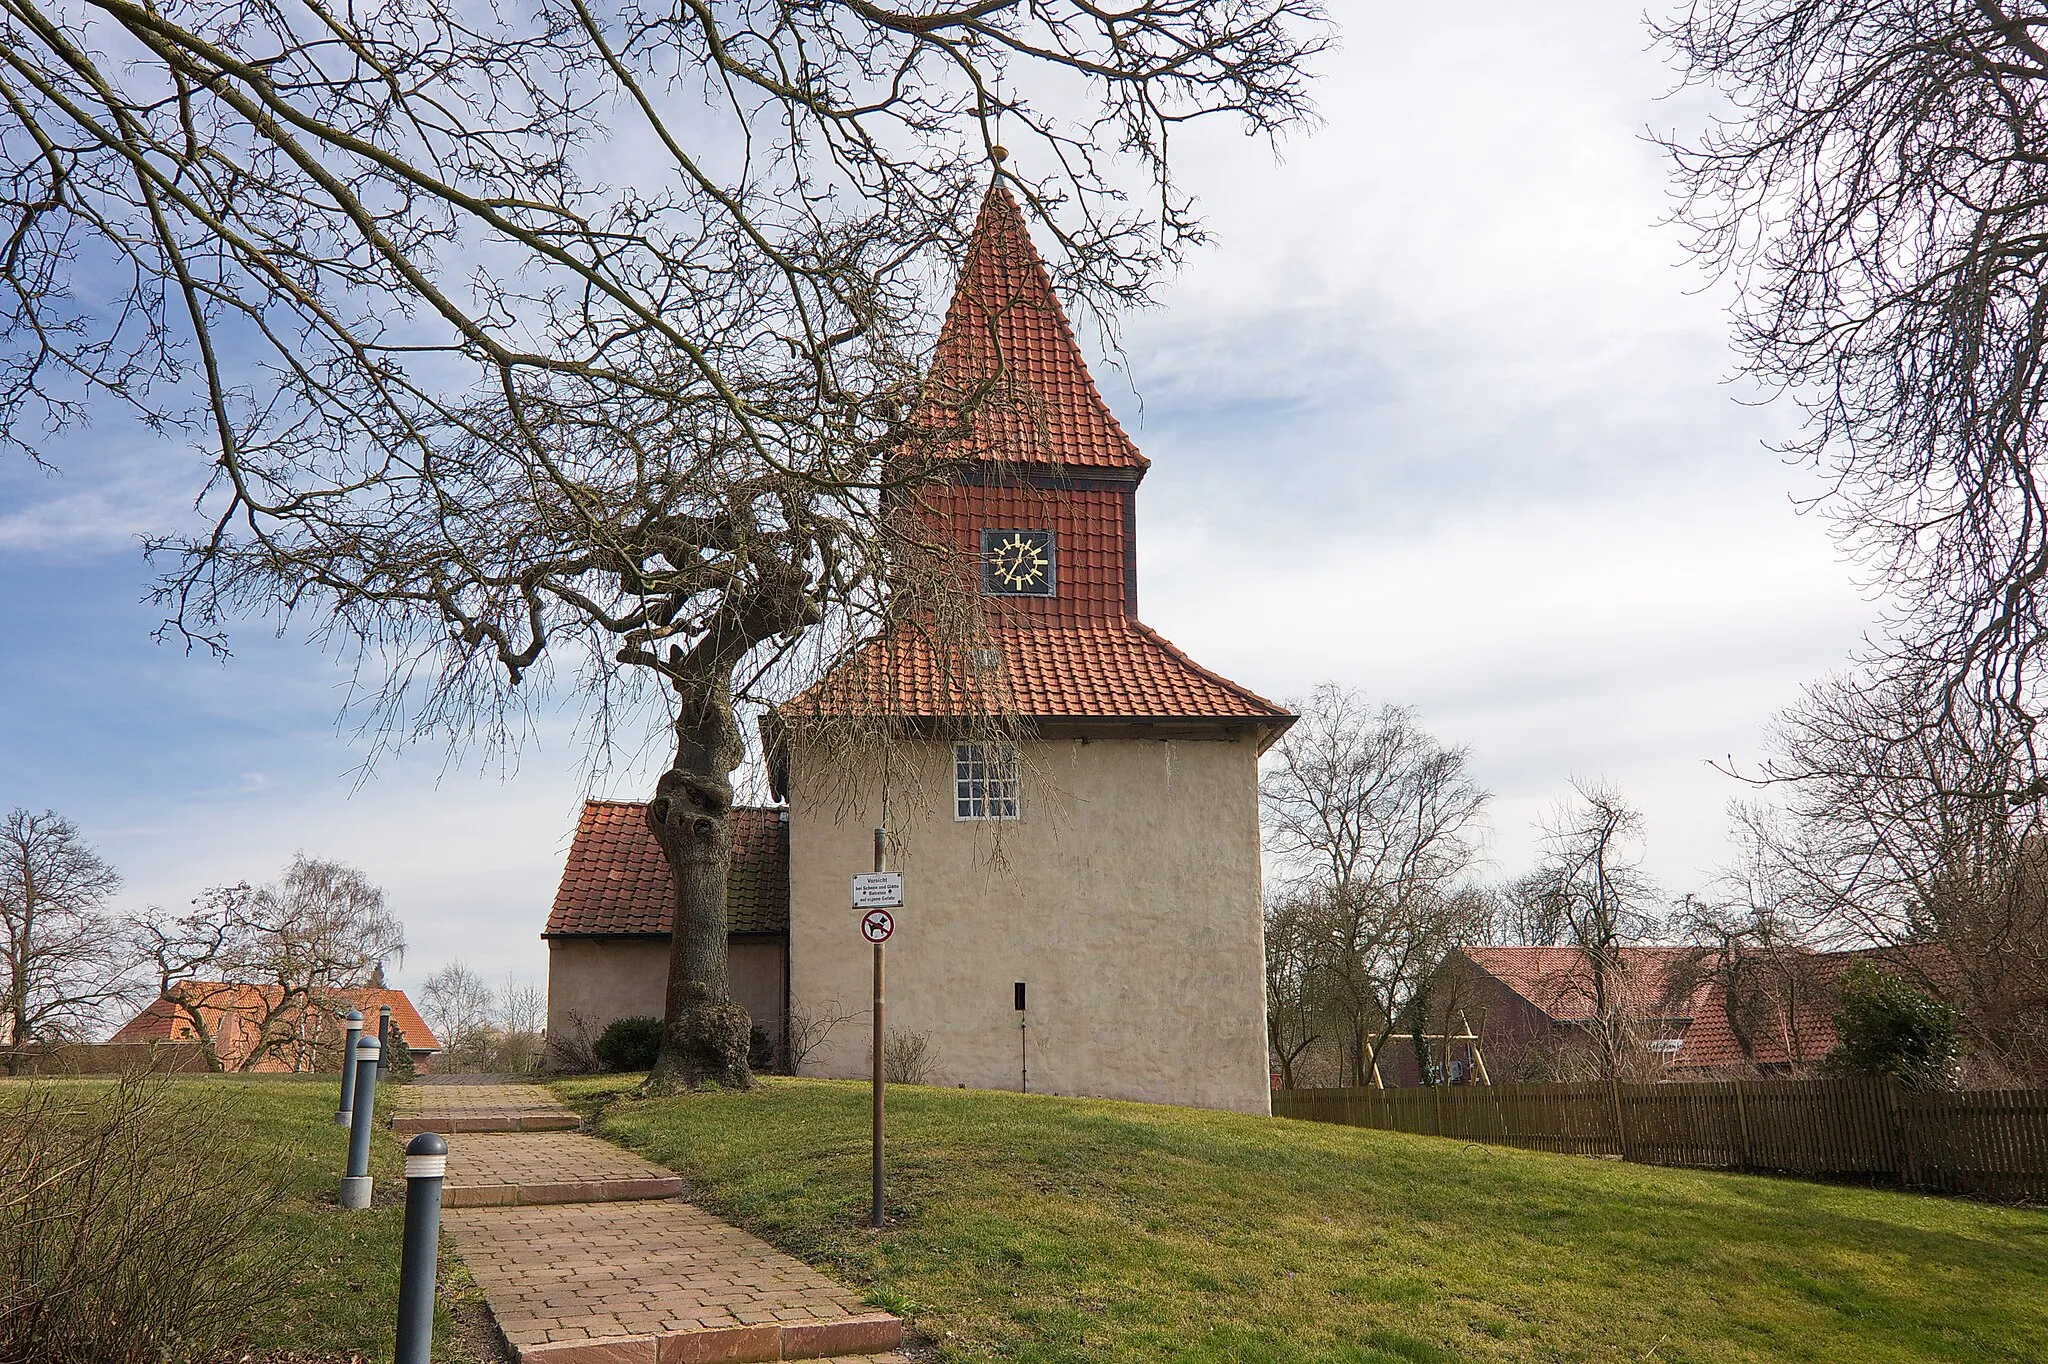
(1986, 1143)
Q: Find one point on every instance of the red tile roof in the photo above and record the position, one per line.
(1007, 343)
(617, 881)
(1798, 1030)
(1101, 671)
(163, 1020)
(1559, 980)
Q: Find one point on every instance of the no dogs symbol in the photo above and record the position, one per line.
(876, 926)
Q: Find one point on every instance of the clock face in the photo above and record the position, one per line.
(1017, 562)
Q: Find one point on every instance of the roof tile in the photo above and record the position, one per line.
(1558, 981)
(162, 1019)
(617, 882)
(1095, 670)
(1007, 349)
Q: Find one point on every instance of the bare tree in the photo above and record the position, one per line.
(63, 957)
(522, 1016)
(1376, 825)
(1752, 956)
(570, 333)
(481, 1029)
(1588, 891)
(1916, 844)
(1874, 184)
(460, 1009)
(1297, 1015)
(320, 928)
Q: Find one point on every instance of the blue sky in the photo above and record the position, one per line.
(1441, 414)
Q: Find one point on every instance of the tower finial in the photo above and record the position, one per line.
(999, 153)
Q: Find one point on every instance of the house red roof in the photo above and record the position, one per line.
(1007, 350)
(617, 882)
(1796, 1027)
(1559, 980)
(1097, 671)
(162, 1020)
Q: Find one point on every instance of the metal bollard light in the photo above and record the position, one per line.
(383, 1039)
(355, 1185)
(426, 1165)
(354, 1019)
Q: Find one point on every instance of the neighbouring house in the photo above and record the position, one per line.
(1529, 1005)
(608, 933)
(1082, 889)
(304, 1035)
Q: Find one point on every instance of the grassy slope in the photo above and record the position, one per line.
(343, 1295)
(1043, 1229)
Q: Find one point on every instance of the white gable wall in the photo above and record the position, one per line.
(1127, 897)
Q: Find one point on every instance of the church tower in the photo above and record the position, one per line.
(1082, 903)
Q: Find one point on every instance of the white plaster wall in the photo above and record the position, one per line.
(600, 980)
(1126, 897)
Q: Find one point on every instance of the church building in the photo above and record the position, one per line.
(1081, 883)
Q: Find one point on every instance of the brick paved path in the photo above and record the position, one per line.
(479, 1108)
(631, 1274)
(611, 1270)
(490, 1169)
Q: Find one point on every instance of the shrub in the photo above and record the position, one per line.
(569, 1049)
(760, 1050)
(1889, 1028)
(629, 1044)
(908, 1058)
(125, 1229)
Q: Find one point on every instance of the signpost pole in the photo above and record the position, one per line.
(881, 861)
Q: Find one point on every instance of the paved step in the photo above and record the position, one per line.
(479, 1108)
(487, 1170)
(486, 1122)
(656, 1282)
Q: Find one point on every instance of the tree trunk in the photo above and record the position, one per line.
(704, 1034)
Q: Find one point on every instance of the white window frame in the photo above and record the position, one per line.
(985, 784)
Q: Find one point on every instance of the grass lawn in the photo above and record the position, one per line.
(1041, 1229)
(341, 1302)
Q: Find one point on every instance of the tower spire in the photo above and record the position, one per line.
(1008, 351)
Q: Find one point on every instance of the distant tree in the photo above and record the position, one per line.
(1873, 181)
(399, 1065)
(1376, 826)
(522, 1017)
(1588, 891)
(63, 957)
(460, 1009)
(321, 927)
(481, 1029)
(1888, 826)
(1753, 958)
(1295, 1010)
(1888, 1028)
